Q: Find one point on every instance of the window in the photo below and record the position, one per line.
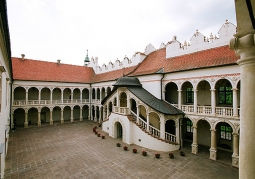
(189, 95)
(189, 126)
(225, 95)
(225, 132)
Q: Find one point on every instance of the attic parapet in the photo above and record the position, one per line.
(138, 57)
(199, 42)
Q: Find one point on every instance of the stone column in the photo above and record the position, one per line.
(26, 123)
(180, 99)
(81, 95)
(235, 110)
(39, 97)
(62, 97)
(62, 116)
(81, 118)
(103, 113)
(95, 94)
(213, 101)
(100, 115)
(180, 137)
(12, 119)
(148, 122)
(244, 45)
(100, 92)
(235, 157)
(162, 128)
(71, 96)
(89, 115)
(72, 114)
(213, 149)
(39, 118)
(95, 117)
(26, 96)
(51, 121)
(137, 114)
(107, 111)
(51, 97)
(195, 100)
(194, 144)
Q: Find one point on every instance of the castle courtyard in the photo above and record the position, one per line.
(72, 150)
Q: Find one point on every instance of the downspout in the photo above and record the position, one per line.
(161, 83)
(90, 98)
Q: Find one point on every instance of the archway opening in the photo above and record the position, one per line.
(19, 117)
(118, 130)
(170, 127)
(32, 118)
(123, 100)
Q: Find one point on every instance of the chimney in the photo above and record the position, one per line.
(58, 61)
(23, 56)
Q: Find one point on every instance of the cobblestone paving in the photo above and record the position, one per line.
(64, 151)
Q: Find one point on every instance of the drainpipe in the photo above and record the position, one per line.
(11, 106)
(90, 98)
(161, 82)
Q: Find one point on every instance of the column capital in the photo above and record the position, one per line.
(214, 130)
(212, 90)
(234, 89)
(244, 46)
(235, 134)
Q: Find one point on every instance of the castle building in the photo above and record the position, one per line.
(157, 99)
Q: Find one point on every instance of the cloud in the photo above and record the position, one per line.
(60, 29)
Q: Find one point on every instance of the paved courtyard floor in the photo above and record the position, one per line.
(72, 150)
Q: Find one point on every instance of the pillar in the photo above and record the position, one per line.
(26, 97)
(81, 95)
(107, 111)
(244, 46)
(213, 101)
(62, 118)
(95, 117)
(235, 156)
(137, 114)
(39, 118)
(26, 123)
(51, 97)
(162, 128)
(81, 118)
(179, 99)
(103, 113)
(213, 149)
(62, 97)
(51, 121)
(100, 115)
(148, 122)
(89, 115)
(100, 92)
(194, 144)
(71, 96)
(71, 114)
(235, 110)
(195, 100)
(39, 97)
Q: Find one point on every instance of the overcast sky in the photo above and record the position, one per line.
(110, 29)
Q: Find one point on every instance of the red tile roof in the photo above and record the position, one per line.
(50, 71)
(202, 59)
(113, 75)
(35, 70)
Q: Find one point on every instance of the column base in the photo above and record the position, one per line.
(213, 154)
(62, 121)
(51, 122)
(235, 161)
(81, 119)
(25, 125)
(39, 123)
(72, 120)
(194, 148)
(89, 118)
(95, 119)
